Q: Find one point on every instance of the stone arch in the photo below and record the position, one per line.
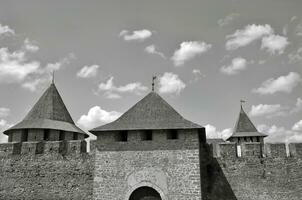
(145, 184)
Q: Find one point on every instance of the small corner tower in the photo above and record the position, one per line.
(150, 152)
(48, 120)
(245, 130)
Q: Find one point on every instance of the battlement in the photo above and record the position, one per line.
(45, 147)
(256, 150)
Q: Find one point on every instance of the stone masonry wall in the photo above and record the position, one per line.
(267, 172)
(51, 170)
(177, 169)
(169, 166)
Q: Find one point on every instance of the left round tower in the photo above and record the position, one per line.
(48, 120)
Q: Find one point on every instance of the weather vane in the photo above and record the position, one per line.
(153, 80)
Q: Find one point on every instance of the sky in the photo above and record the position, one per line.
(207, 56)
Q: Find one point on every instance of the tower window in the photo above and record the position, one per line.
(121, 136)
(172, 135)
(24, 136)
(62, 135)
(46, 134)
(146, 135)
(75, 136)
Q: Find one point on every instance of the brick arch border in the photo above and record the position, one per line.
(145, 184)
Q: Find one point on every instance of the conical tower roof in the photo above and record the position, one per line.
(49, 112)
(150, 113)
(244, 127)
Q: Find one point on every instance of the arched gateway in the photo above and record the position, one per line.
(145, 193)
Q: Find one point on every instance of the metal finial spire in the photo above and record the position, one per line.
(53, 77)
(242, 102)
(153, 80)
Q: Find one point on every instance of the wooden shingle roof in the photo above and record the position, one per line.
(150, 113)
(49, 112)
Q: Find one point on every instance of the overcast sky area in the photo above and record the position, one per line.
(207, 56)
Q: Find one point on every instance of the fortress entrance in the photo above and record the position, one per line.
(145, 193)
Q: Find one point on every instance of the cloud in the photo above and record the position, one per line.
(281, 84)
(151, 49)
(96, 116)
(3, 126)
(30, 45)
(279, 134)
(297, 126)
(295, 56)
(238, 64)
(170, 83)
(4, 112)
(212, 132)
(113, 92)
(267, 110)
(197, 75)
(138, 35)
(6, 30)
(298, 106)
(33, 85)
(189, 50)
(15, 67)
(247, 35)
(274, 43)
(228, 19)
(299, 30)
(88, 71)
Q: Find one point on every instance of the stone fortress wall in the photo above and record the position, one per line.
(46, 170)
(64, 170)
(255, 171)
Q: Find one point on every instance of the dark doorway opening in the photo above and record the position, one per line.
(145, 193)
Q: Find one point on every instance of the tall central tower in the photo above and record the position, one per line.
(150, 152)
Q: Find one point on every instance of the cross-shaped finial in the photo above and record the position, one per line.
(242, 102)
(153, 82)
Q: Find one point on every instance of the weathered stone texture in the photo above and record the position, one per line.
(49, 175)
(253, 177)
(165, 165)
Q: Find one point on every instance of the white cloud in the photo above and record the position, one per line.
(30, 45)
(4, 112)
(14, 67)
(295, 56)
(112, 91)
(212, 132)
(189, 50)
(196, 71)
(6, 30)
(88, 71)
(138, 35)
(96, 116)
(228, 19)
(297, 126)
(279, 134)
(238, 64)
(281, 84)
(298, 106)
(299, 30)
(170, 83)
(274, 43)
(247, 35)
(3, 126)
(33, 85)
(151, 49)
(267, 110)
